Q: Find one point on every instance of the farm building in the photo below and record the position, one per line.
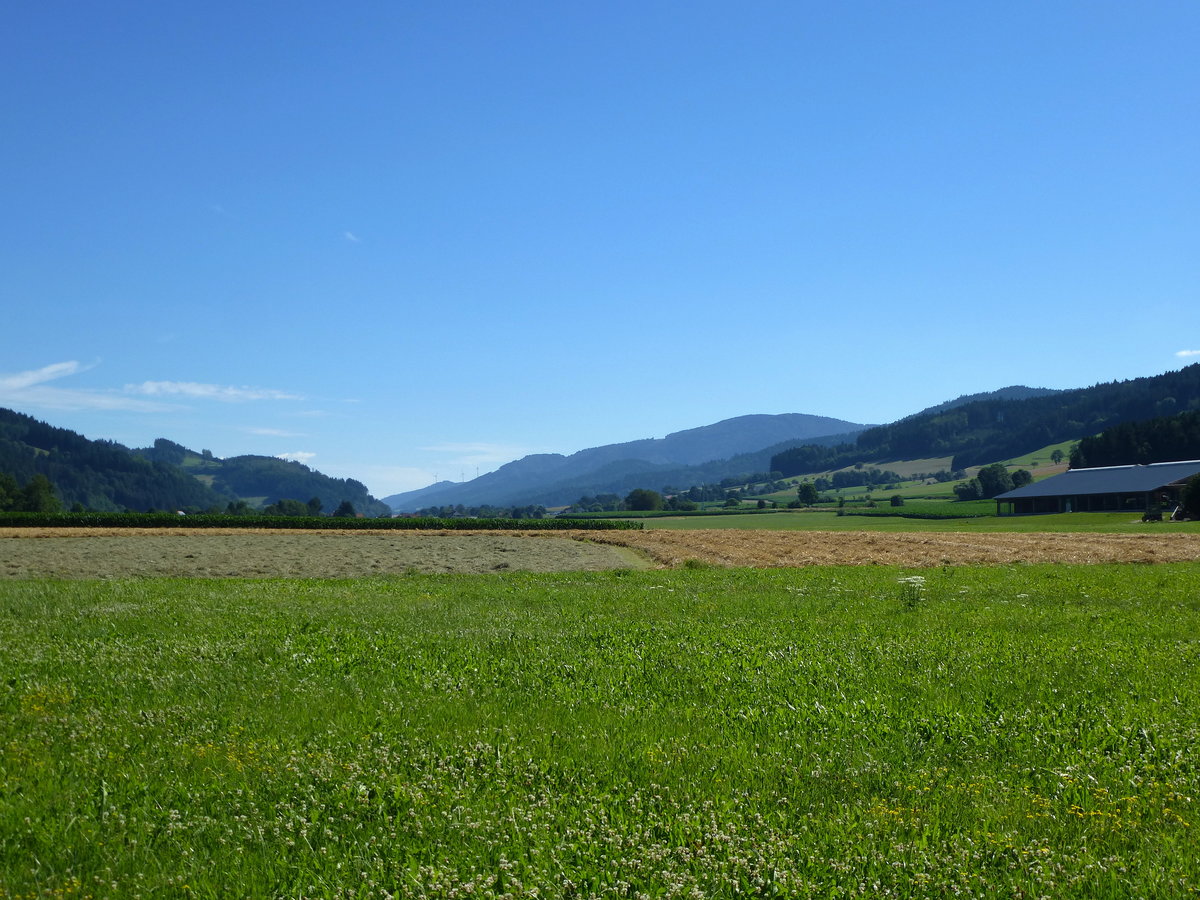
(1108, 488)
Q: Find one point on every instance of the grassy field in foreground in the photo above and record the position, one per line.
(822, 520)
(833, 732)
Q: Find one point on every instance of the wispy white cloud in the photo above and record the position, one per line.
(197, 391)
(1184, 354)
(21, 380)
(351, 237)
(274, 432)
(33, 389)
(30, 390)
(300, 456)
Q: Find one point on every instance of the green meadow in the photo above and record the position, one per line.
(1027, 731)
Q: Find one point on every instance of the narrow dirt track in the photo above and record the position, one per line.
(263, 553)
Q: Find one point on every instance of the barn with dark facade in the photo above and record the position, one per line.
(1103, 489)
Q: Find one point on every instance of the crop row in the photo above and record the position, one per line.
(974, 509)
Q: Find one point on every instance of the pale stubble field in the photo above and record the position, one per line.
(116, 553)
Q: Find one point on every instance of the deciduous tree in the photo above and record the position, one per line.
(643, 499)
(1191, 497)
(806, 493)
(994, 479)
(1022, 477)
(38, 496)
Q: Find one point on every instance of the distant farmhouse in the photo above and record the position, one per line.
(1103, 489)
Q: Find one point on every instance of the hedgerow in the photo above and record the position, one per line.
(169, 520)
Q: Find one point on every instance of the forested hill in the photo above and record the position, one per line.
(985, 430)
(109, 477)
(266, 479)
(1162, 439)
(98, 475)
(1013, 392)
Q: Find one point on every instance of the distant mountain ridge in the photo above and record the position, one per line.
(553, 479)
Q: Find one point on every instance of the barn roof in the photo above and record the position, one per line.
(1107, 480)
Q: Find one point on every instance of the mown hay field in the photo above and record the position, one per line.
(261, 553)
(111, 553)
(736, 547)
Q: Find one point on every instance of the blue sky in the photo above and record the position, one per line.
(402, 241)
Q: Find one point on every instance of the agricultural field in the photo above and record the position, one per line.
(260, 553)
(1041, 459)
(1022, 730)
(827, 519)
(926, 549)
(751, 540)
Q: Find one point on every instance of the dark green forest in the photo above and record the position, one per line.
(1162, 439)
(98, 475)
(984, 431)
(105, 476)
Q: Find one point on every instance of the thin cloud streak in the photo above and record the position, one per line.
(29, 390)
(20, 380)
(198, 391)
(274, 432)
(32, 389)
(1184, 354)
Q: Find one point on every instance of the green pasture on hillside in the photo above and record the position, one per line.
(1026, 731)
(943, 490)
(1035, 459)
(1041, 456)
